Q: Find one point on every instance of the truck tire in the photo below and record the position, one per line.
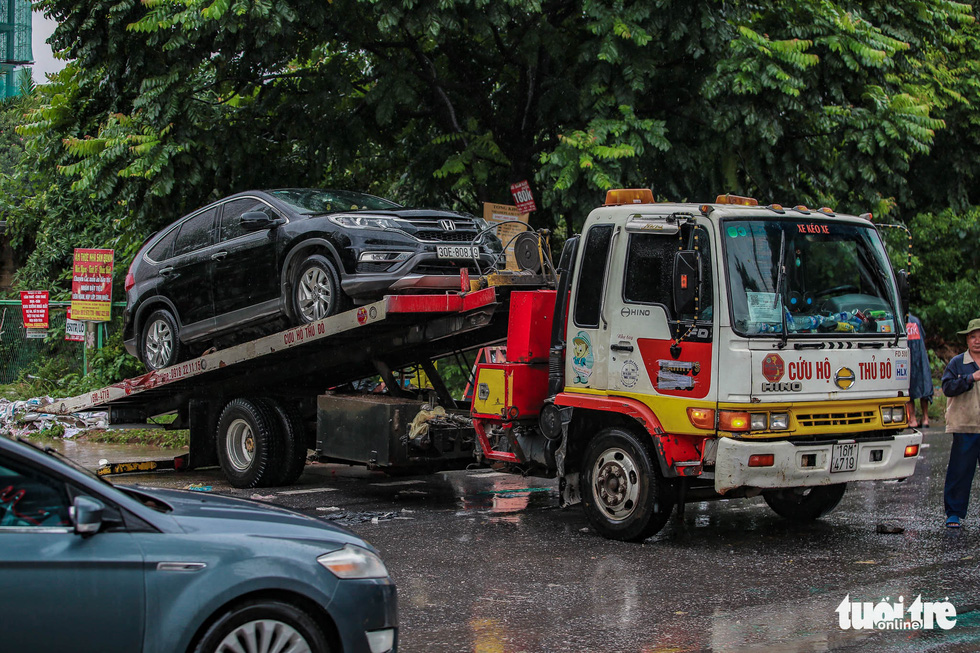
(293, 445)
(249, 440)
(267, 626)
(802, 504)
(160, 345)
(623, 493)
(316, 292)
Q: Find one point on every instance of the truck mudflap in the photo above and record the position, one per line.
(802, 464)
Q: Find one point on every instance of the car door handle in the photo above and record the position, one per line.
(217, 256)
(621, 347)
(166, 271)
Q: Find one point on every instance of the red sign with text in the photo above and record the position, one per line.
(34, 305)
(523, 197)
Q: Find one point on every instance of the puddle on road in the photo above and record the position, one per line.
(88, 454)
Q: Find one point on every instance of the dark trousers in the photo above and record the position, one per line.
(964, 456)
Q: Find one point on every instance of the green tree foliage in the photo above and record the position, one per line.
(172, 102)
(167, 104)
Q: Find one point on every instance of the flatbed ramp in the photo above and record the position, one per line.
(393, 332)
(256, 408)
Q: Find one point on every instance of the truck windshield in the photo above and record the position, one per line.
(835, 278)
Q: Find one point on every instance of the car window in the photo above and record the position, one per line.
(30, 498)
(231, 214)
(161, 251)
(195, 233)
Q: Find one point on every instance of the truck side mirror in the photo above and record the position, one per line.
(903, 291)
(687, 280)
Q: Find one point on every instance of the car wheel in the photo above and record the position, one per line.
(623, 493)
(262, 626)
(802, 504)
(316, 290)
(161, 341)
(249, 440)
(293, 446)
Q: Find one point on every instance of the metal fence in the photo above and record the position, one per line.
(19, 352)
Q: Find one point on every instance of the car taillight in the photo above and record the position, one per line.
(130, 281)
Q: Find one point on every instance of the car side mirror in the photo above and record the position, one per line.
(687, 280)
(257, 220)
(87, 515)
(903, 292)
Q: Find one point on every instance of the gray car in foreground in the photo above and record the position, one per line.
(87, 566)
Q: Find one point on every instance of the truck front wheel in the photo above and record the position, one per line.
(623, 493)
(804, 503)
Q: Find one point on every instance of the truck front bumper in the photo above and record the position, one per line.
(805, 464)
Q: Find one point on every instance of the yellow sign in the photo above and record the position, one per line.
(508, 220)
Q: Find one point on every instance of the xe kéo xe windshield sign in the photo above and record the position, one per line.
(91, 285)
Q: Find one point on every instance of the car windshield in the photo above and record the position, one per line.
(311, 201)
(809, 276)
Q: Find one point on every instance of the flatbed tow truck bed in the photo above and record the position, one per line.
(288, 371)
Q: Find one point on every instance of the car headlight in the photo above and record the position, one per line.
(353, 562)
(364, 222)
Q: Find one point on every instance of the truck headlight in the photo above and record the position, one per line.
(779, 421)
(353, 562)
(757, 421)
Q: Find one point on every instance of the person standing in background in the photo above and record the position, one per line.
(920, 375)
(963, 422)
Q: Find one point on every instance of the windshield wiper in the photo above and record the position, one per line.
(780, 274)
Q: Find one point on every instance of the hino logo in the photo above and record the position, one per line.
(793, 386)
(447, 225)
(627, 311)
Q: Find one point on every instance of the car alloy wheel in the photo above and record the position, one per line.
(264, 636)
(314, 294)
(161, 343)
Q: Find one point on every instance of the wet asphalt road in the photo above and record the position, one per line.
(486, 561)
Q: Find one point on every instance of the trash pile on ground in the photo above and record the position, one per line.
(21, 419)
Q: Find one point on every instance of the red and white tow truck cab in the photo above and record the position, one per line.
(705, 351)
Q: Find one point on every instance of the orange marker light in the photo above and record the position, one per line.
(736, 199)
(620, 196)
(702, 418)
(911, 451)
(729, 420)
(762, 460)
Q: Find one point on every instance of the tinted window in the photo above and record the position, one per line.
(592, 277)
(162, 250)
(649, 268)
(29, 498)
(231, 214)
(195, 233)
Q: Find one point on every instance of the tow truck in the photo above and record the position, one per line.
(679, 352)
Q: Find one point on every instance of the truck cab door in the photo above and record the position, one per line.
(655, 352)
(585, 362)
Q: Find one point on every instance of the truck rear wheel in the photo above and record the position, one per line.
(805, 503)
(293, 443)
(249, 440)
(623, 493)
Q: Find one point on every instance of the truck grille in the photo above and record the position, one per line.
(836, 419)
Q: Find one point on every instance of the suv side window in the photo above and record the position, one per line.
(31, 499)
(161, 251)
(592, 278)
(231, 213)
(195, 233)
